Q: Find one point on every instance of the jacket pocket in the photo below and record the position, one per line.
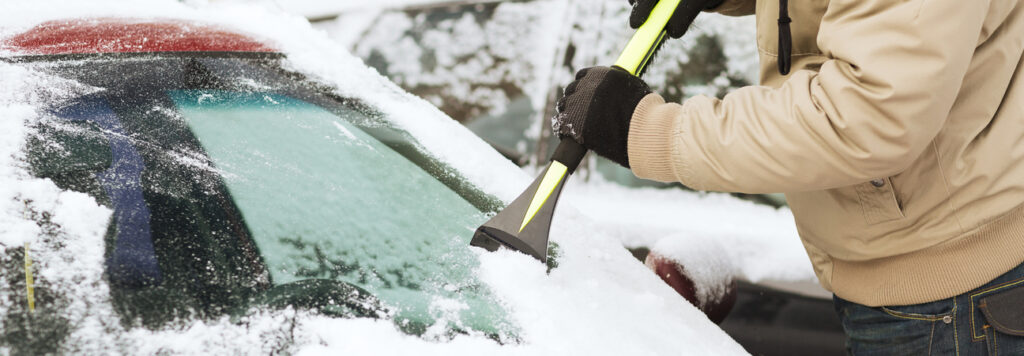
(1004, 312)
(878, 201)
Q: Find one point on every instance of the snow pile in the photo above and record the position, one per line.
(717, 238)
(598, 301)
(705, 261)
(278, 332)
(753, 242)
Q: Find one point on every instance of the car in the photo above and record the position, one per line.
(223, 179)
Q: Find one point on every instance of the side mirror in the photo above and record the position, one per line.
(716, 307)
(61, 147)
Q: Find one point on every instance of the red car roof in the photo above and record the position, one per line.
(109, 35)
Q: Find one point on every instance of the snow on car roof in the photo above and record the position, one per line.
(599, 301)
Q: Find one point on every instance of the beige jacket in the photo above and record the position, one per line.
(898, 139)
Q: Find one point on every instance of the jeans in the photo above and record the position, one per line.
(985, 321)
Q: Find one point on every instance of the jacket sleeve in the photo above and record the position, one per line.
(736, 7)
(894, 71)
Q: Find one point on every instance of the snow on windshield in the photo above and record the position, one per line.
(599, 300)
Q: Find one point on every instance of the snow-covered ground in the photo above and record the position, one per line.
(599, 301)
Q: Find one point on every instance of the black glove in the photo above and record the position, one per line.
(596, 109)
(681, 19)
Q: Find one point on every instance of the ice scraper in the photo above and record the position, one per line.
(524, 224)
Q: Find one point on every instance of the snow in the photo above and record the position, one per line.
(759, 241)
(363, 337)
(488, 65)
(20, 194)
(599, 300)
(716, 237)
(601, 33)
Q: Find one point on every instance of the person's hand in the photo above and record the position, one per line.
(596, 109)
(681, 19)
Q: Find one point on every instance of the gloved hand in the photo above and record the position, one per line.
(681, 19)
(596, 109)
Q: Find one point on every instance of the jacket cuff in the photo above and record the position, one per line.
(651, 142)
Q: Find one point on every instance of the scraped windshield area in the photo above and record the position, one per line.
(237, 186)
(323, 199)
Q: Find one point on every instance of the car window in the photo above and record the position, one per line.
(323, 199)
(236, 186)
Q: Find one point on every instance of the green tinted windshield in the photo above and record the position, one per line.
(324, 199)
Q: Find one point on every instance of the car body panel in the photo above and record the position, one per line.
(118, 35)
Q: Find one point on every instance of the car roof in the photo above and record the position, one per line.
(126, 35)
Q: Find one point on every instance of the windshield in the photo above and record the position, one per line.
(323, 199)
(236, 185)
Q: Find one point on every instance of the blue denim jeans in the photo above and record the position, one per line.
(984, 321)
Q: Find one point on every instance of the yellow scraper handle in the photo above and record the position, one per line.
(634, 59)
(647, 38)
(524, 224)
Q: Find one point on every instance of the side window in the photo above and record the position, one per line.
(175, 244)
(107, 153)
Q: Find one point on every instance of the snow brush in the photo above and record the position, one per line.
(524, 225)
